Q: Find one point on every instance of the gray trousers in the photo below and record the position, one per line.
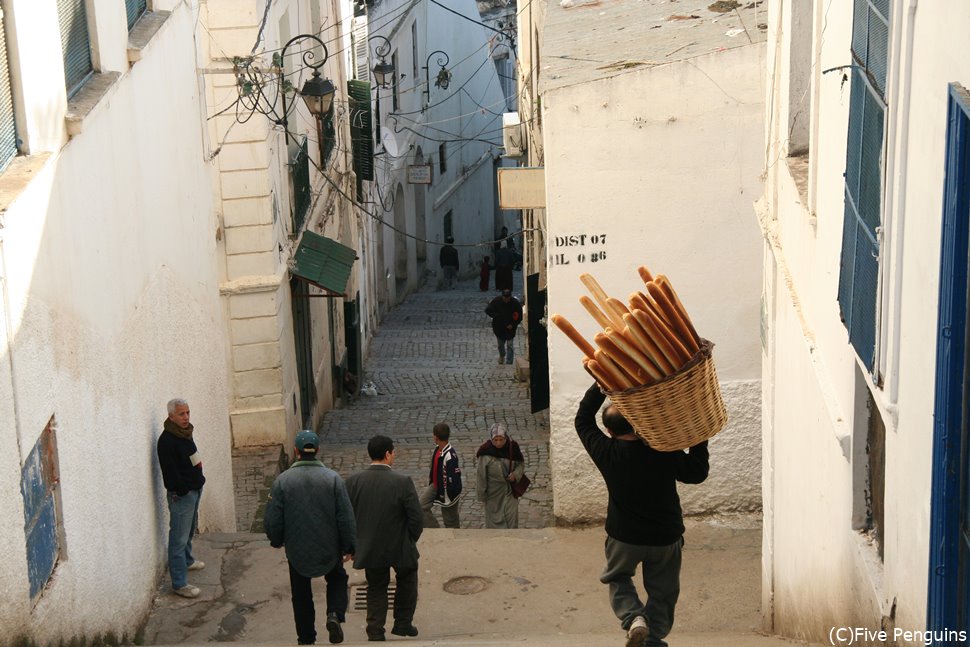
(660, 566)
(448, 514)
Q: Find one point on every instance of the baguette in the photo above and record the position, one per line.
(649, 347)
(630, 347)
(619, 309)
(563, 324)
(595, 312)
(601, 298)
(644, 274)
(668, 289)
(612, 371)
(645, 303)
(650, 327)
(677, 324)
(596, 370)
(618, 355)
(672, 337)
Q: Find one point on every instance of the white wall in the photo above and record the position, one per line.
(819, 570)
(112, 307)
(665, 164)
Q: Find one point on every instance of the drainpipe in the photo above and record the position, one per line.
(899, 132)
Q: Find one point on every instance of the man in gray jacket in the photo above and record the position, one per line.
(310, 514)
(389, 518)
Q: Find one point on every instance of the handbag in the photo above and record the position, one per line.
(518, 487)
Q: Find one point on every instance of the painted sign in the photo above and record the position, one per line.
(522, 188)
(419, 174)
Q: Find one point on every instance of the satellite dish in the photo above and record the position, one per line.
(389, 141)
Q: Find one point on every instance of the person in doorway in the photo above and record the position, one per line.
(506, 314)
(309, 513)
(448, 259)
(500, 239)
(500, 463)
(644, 521)
(484, 275)
(388, 525)
(444, 481)
(504, 265)
(181, 465)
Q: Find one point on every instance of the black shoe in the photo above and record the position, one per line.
(375, 637)
(333, 626)
(405, 630)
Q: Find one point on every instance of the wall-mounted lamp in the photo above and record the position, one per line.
(317, 92)
(383, 71)
(442, 78)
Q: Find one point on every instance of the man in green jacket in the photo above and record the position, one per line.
(310, 514)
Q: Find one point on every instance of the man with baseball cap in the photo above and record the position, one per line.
(310, 514)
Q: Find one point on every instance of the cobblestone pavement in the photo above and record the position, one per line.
(434, 359)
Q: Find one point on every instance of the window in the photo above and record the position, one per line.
(329, 135)
(43, 524)
(135, 9)
(300, 174)
(72, 16)
(8, 127)
(859, 271)
(414, 52)
(448, 227)
(395, 96)
(442, 157)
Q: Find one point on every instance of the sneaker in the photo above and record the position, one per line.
(187, 591)
(404, 630)
(333, 626)
(637, 633)
(197, 565)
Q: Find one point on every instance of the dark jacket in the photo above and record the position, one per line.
(449, 486)
(644, 508)
(448, 257)
(389, 518)
(180, 463)
(504, 314)
(309, 512)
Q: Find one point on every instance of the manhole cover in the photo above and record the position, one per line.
(466, 585)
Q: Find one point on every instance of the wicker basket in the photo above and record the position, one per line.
(681, 410)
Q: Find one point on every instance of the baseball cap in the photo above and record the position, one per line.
(307, 441)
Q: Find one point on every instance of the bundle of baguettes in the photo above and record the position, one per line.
(644, 340)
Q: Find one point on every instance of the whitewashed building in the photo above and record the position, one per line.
(438, 133)
(110, 307)
(647, 119)
(864, 321)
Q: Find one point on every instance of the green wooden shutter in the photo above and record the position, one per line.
(135, 9)
(362, 144)
(8, 127)
(75, 43)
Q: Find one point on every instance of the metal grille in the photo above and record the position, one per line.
(75, 43)
(8, 127)
(359, 596)
(135, 9)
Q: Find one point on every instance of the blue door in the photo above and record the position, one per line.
(948, 600)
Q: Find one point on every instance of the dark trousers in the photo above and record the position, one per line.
(304, 613)
(405, 600)
(660, 568)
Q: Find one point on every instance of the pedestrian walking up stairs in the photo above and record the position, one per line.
(536, 588)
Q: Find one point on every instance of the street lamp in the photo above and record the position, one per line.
(317, 92)
(442, 79)
(383, 71)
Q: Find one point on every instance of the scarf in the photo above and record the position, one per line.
(175, 430)
(511, 450)
(436, 467)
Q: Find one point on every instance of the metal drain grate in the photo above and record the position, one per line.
(358, 593)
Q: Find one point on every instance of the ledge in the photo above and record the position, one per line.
(16, 177)
(251, 284)
(87, 98)
(143, 31)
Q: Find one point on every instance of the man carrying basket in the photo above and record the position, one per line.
(644, 520)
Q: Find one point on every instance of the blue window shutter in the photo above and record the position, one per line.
(8, 127)
(40, 520)
(75, 43)
(135, 9)
(859, 267)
